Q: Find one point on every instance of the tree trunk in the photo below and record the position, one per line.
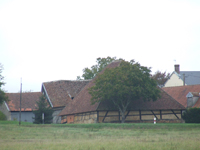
(123, 117)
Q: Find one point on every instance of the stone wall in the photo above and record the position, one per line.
(89, 117)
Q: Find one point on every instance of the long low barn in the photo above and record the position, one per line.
(80, 110)
(28, 104)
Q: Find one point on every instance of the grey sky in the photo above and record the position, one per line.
(46, 40)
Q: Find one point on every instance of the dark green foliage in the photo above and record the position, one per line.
(43, 107)
(192, 115)
(3, 96)
(121, 85)
(95, 69)
(2, 116)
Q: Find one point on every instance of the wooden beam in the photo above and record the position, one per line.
(127, 114)
(119, 116)
(140, 114)
(181, 114)
(97, 116)
(175, 114)
(160, 114)
(105, 116)
(154, 114)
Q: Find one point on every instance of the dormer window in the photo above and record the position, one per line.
(192, 98)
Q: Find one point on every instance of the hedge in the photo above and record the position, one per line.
(2, 116)
(192, 115)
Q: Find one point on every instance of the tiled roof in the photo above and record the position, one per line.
(61, 92)
(82, 102)
(191, 77)
(197, 103)
(28, 102)
(165, 102)
(179, 92)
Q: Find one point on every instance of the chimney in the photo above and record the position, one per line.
(177, 68)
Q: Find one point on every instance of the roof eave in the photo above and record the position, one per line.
(47, 96)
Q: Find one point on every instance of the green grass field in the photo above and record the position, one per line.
(99, 136)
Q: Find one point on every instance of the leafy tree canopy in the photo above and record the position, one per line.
(161, 77)
(43, 107)
(3, 96)
(90, 73)
(124, 84)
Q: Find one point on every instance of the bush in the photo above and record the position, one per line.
(192, 115)
(2, 116)
(43, 107)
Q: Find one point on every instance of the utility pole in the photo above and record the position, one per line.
(20, 102)
(183, 79)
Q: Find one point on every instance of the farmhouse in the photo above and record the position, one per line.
(28, 103)
(80, 110)
(181, 78)
(60, 93)
(188, 95)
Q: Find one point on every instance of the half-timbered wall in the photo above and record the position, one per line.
(131, 116)
(141, 116)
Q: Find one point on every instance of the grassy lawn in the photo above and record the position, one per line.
(99, 136)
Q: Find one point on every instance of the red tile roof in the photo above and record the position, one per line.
(60, 92)
(166, 102)
(197, 103)
(82, 102)
(179, 93)
(28, 102)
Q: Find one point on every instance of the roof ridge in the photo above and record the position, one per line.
(181, 86)
(23, 92)
(189, 71)
(68, 80)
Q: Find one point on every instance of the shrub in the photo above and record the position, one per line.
(192, 115)
(2, 116)
(43, 107)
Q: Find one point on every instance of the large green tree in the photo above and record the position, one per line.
(43, 107)
(161, 77)
(124, 84)
(90, 73)
(3, 96)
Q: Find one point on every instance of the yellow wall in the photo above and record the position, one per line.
(174, 81)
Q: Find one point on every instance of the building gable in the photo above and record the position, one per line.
(60, 93)
(174, 80)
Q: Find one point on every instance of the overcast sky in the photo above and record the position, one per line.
(47, 40)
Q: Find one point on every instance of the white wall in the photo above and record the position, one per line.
(174, 81)
(25, 116)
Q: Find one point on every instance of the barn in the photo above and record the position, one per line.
(80, 110)
(28, 104)
(60, 93)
